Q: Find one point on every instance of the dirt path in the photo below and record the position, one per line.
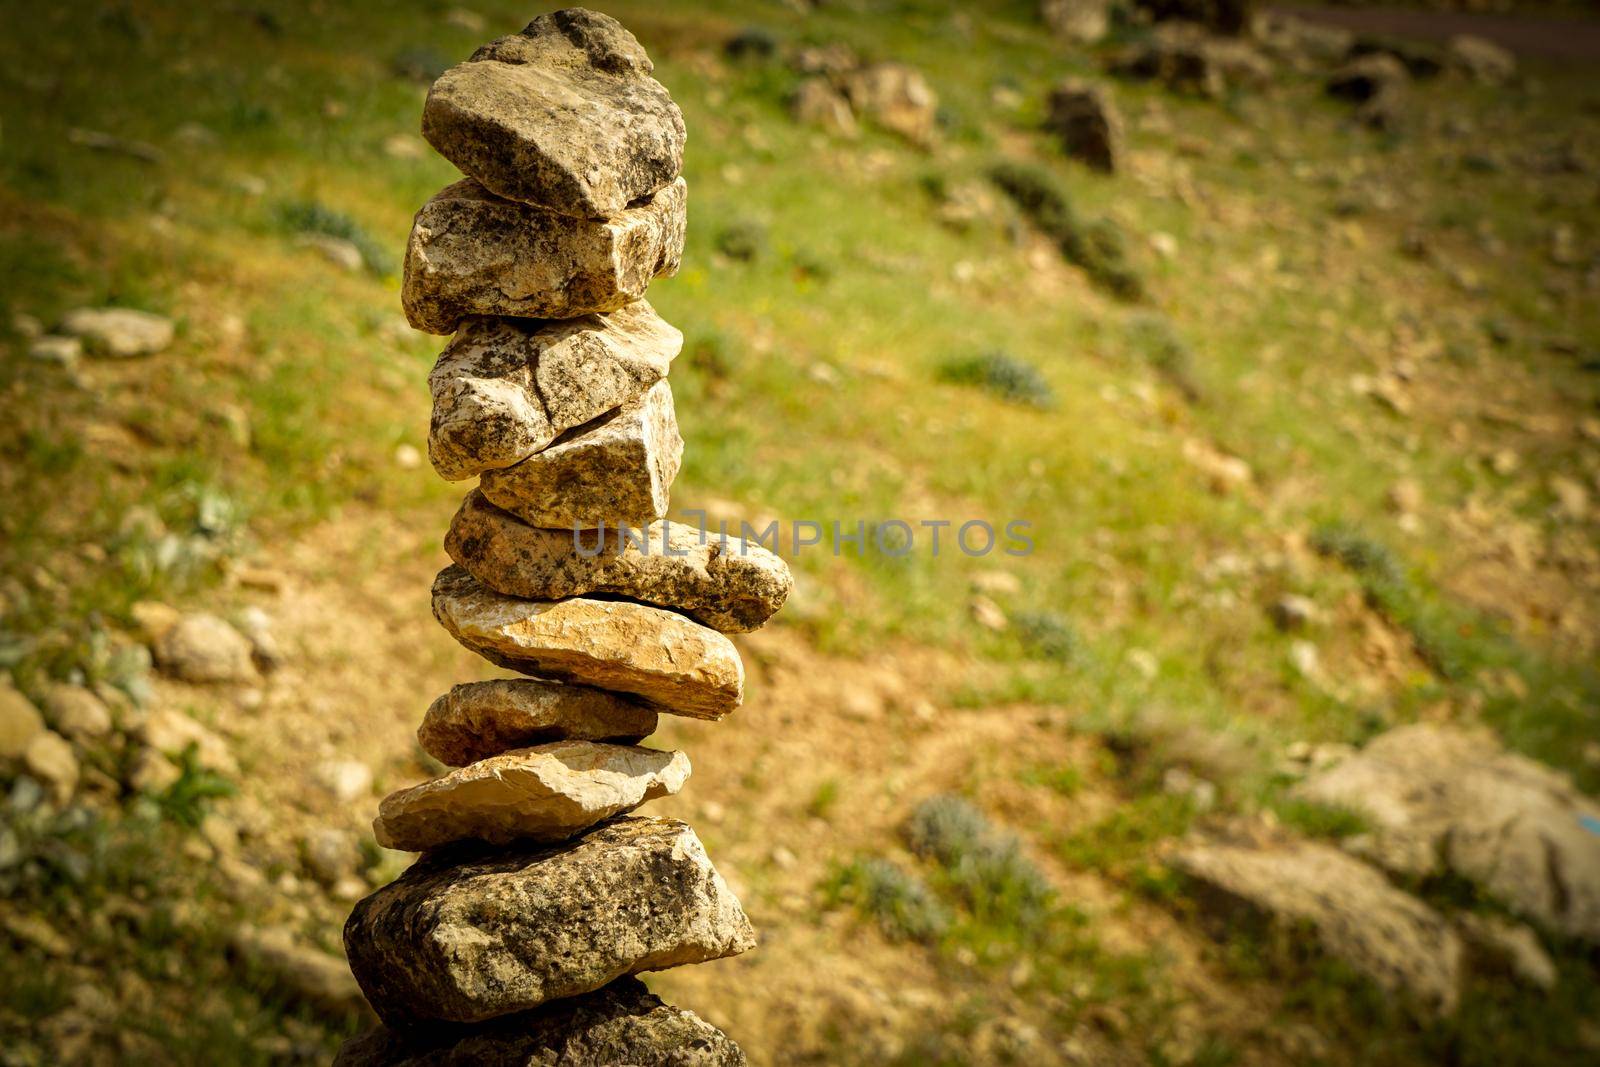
(1571, 39)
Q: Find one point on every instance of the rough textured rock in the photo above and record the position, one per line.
(310, 974)
(544, 793)
(1084, 118)
(505, 388)
(621, 1023)
(896, 97)
(20, 722)
(617, 469)
(564, 115)
(817, 103)
(465, 936)
(1349, 908)
(473, 253)
(677, 665)
(203, 648)
(1079, 21)
(1440, 799)
(118, 332)
(1483, 60)
(481, 719)
(733, 587)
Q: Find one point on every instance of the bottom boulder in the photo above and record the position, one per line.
(467, 934)
(622, 1023)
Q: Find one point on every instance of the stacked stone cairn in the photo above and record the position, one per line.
(515, 936)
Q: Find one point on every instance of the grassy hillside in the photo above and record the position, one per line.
(1357, 374)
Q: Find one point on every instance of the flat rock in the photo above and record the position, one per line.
(620, 1023)
(544, 793)
(473, 253)
(1443, 800)
(615, 470)
(465, 936)
(481, 719)
(120, 333)
(1346, 907)
(675, 664)
(505, 388)
(733, 586)
(564, 115)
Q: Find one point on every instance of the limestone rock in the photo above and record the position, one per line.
(620, 1023)
(118, 332)
(1440, 799)
(617, 469)
(677, 665)
(1084, 118)
(473, 253)
(896, 97)
(1497, 946)
(481, 719)
(1185, 59)
(203, 648)
(1079, 21)
(817, 103)
(20, 722)
(49, 758)
(306, 972)
(544, 793)
(733, 587)
(465, 936)
(1348, 908)
(564, 115)
(77, 713)
(504, 388)
(172, 733)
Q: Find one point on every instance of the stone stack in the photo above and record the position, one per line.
(537, 897)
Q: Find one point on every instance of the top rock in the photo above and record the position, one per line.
(563, 115)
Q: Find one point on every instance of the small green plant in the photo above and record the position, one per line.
(1003, 375)
(1099, 248)
(185, 801)
(823, 800)
(984, 863)
(1320, 820)
(1363, 556)
(744, 241)
(896, 899)
(1048, 634)
(1153, 338)
(1119, 843)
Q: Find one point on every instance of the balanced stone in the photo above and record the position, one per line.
(621, 1023)
(469, 937)
(617, 469)
(473, 253)
(481, 719)
(676, 664)
(545, 793)
(564, 115)
(731, 585)
(504, 388)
